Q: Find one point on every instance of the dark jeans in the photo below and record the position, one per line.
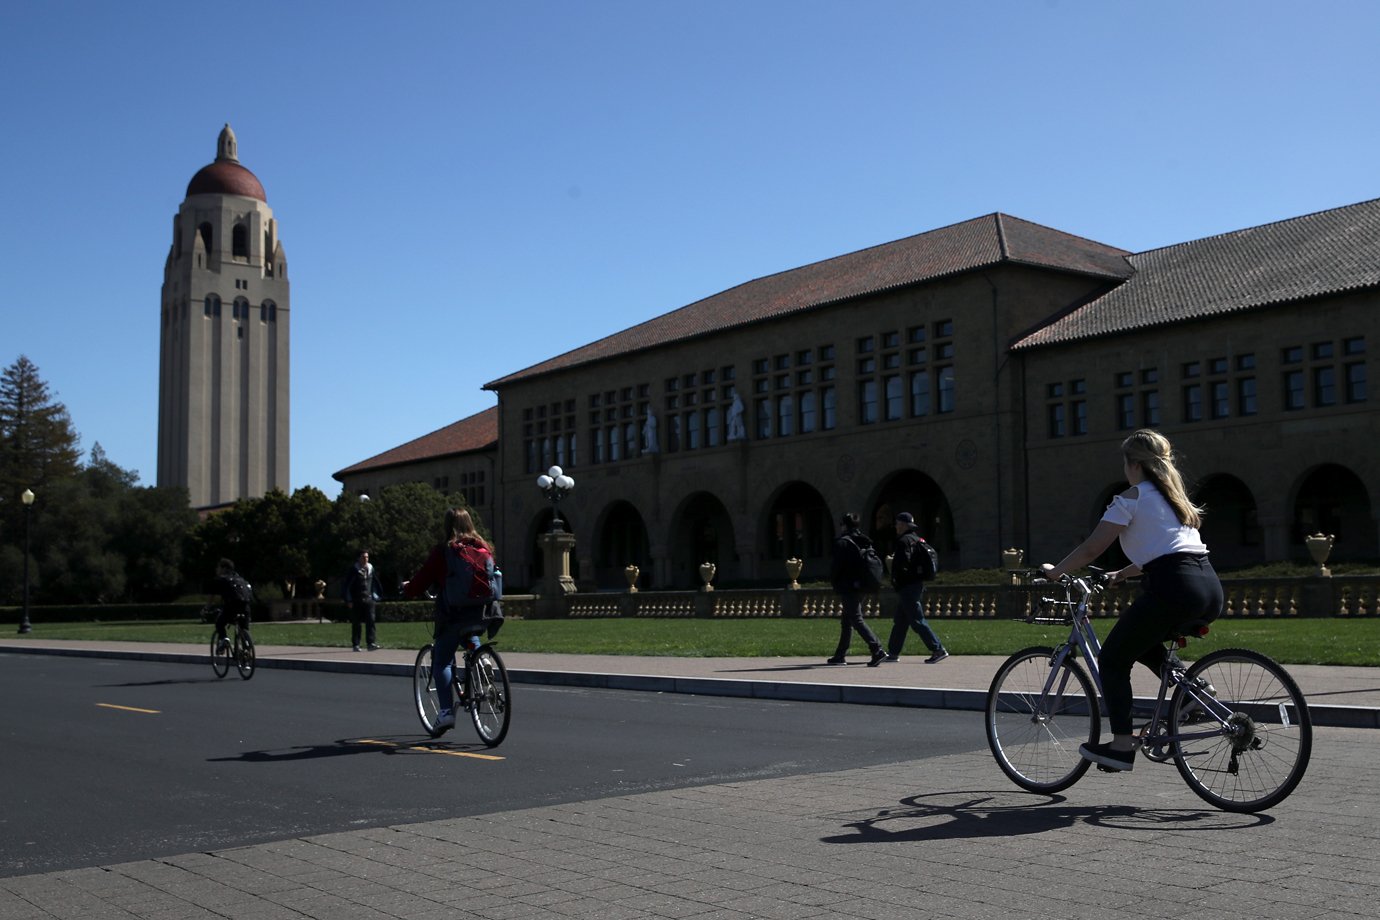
(910, 614)
(1176, 588)
(362, 612)
(223, 621)
(853, 619)
(448, 636)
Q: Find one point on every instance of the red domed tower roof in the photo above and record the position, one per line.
(226, 176)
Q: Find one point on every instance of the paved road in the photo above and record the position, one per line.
(118, 760)
(942, 836)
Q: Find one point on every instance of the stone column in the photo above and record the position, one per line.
(556, 583)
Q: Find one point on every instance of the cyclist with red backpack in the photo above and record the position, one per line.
(463, 568)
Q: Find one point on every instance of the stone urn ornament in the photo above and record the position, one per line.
(1011, 561)
(793, 570)
(1319, 546)
(707, 570)
(631, 573)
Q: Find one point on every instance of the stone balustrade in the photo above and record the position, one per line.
(1343, 596)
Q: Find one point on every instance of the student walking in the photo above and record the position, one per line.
(910, 569)
(848, 574)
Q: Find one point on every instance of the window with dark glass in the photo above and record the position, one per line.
(867, 401)
(785, 416)
(895, 397)
(1221, 399)
(1325, 386)
(807, 411)
(1193, 402)
(1056, 420)
(828, 414)
(1293, 390)
(1150, 408)
(946, 389)
(919, 393)
(764, 418)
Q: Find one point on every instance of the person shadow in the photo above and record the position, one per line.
(974, 814)
(349, 747)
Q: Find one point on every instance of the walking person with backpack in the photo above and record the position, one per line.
(362, 591)
(856, 569)
(236, 598)
(463, 568)
(914, 563)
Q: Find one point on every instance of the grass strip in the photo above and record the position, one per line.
(1326, 641)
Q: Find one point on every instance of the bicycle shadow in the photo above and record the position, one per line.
(975, 814)
(165, 683)
(353, 746)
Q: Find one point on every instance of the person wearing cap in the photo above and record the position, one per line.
(846, 575)
(907, 576)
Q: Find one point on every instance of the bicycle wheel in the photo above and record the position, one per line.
(1035, 736)
(220, 655)
(244, 654)
(488, 696)
(424, 692)
(1262, 753)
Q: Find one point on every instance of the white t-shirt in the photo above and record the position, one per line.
(1152, 530)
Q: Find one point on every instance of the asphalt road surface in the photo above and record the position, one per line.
(105, 761)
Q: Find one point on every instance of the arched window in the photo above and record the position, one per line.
(241, 309)
(212, 305)
(205, 231)
(239, 242)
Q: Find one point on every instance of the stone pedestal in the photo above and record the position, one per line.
(557, 582)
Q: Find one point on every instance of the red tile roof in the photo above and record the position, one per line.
(972, 244)
(478, 432)
(1304, 257)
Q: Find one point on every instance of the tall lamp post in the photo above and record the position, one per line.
(27, 497)
(555, 485)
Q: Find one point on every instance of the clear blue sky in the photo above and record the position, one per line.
(466, 189)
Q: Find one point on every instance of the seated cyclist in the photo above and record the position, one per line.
(455, 618)
(1157, 526)
(235, 594)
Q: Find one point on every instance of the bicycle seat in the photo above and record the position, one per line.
(1195, 628)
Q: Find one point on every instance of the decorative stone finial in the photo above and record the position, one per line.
(226, 145)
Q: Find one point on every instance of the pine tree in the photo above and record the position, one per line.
(38, 444)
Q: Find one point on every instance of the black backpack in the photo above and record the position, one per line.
(872, 571)
(242, 591)
(928, 559)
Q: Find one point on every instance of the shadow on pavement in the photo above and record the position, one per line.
(974, 814)
(350, 746)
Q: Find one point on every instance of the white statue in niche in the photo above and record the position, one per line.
(649, 435)
(736, 431)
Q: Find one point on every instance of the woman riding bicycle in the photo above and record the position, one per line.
(453, 620)
(1157, 526)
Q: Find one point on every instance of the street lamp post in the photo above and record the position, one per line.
(27, 497)
(555, 485)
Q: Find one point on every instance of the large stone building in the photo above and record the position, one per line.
(223, 359)
(980, 376)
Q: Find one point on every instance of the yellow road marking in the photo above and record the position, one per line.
(428, 750)
(152, 712)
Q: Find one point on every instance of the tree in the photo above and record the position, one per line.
(38, 445)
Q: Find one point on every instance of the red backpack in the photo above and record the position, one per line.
(469, 576)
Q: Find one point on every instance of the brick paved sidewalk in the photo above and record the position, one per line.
(945, 838)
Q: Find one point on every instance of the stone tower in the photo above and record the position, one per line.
(223, 359)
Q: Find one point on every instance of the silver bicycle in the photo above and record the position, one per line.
(1234, 722)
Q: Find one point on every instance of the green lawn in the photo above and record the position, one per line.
(1305, 641)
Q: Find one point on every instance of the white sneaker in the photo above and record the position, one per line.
(445, 719)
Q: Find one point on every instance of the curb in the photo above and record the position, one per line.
(1330, 716)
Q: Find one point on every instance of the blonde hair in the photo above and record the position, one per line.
(460, 526)
(1155, 455)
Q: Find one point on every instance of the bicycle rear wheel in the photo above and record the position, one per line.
(244, 654)
(1033, 735)
(1262, 753)
(488, 696)
(220, 655)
